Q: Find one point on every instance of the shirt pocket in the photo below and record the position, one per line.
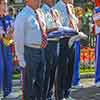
(33, 23)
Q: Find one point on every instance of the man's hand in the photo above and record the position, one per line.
(20, 68)
(72, 40)
(17, 66)
(53, 29)
(81, 35)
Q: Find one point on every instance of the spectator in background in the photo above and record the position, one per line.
(76, 75)
(6, 30)
(11, 12)
(87, 18)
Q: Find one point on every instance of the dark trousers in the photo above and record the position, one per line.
(33, 75)
(51, 64)
(65, 69)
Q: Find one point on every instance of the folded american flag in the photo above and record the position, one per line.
(62, 32)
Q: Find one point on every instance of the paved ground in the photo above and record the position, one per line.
(88, 92)
(16, 92)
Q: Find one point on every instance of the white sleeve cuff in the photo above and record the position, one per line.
(22, 62)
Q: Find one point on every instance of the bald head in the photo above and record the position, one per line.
(49, 2)
(33, 3)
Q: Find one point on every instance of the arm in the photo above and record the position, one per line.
(52, 29)
(19, 40)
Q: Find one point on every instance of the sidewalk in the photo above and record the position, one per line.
(88, 92)
(16, 92)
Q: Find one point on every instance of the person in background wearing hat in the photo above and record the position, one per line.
(6, 58)
(96, 18)
(30, 40)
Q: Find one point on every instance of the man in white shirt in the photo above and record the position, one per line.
(30, 41)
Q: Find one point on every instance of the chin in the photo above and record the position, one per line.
(37, 7)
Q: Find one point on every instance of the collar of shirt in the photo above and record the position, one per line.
(63, 3)
(46, 7)
(30, 10)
